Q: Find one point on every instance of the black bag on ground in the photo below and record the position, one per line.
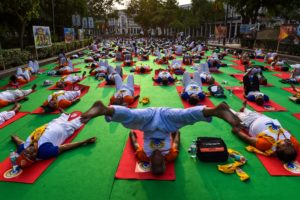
(211, 149)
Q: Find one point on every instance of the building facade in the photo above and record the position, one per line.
(123, 24)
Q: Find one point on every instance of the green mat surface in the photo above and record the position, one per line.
(88, 172)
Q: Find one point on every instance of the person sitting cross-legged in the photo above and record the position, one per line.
(124, 92)
(192, 88)
(266, 135)
(47, 141)
(158, 124)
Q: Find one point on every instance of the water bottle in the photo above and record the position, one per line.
(13, 158)
(194, 150)
(238, 157)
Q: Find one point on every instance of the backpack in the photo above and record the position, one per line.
(216, 91)
(211, 149)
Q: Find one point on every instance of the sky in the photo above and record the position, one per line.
(181, 2)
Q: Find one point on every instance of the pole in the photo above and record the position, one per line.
(224, 39)
(53, 20)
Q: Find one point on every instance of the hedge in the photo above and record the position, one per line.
(271, 45)
(10, 58)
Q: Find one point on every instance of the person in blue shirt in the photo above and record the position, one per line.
(158, 124)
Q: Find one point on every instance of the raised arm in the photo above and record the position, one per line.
(243, 136)
(70, 146)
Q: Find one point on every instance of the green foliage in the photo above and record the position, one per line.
(16, 57)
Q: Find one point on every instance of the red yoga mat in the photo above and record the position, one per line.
(186, 104)
(297, 115)
(239, 67)
(259, 60)
(269, 106)
(85, 90)
(30, 174)
(283, 75)
(240, 78)
(20, 85)
(274, 166)
(15, 118)
(53, 87)
(143, 73)
(103, 83)
(128, 163)
(290, 90)
(238, 62)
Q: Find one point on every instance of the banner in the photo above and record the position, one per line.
(220, 31)
(42, 36)
(247, 28)
(84, 22)
(80, 34)
(91, 22)
(69, 35)
(288, 34)
(76, 20)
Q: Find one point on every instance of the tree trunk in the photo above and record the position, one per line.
(23, 26)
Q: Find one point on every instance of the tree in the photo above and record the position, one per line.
(25, 11)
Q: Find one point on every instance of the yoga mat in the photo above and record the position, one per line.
(15, 118)
(19, 86)
(128, 163)
(30, 174)
(240, 78)
(103, 83)
(156, 76)
(274, 107)
(238, 62)
(76, 70)
(53, 87)
(186, 104)
(239, 67)
(259, 60)
(297, 115)
(85, 90)
(274, 166)
(290, 90)
(283, 75)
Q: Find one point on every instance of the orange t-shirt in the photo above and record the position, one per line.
(170, 157)
(127, 99)
(263, 144)
(3, 103)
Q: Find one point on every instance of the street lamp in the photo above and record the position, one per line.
(224, 39)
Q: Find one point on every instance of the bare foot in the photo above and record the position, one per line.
(244, 106)
(98, 109)
(91, 140)
(33, 87)
(16, 107)
(83, 74)
(222, 111)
